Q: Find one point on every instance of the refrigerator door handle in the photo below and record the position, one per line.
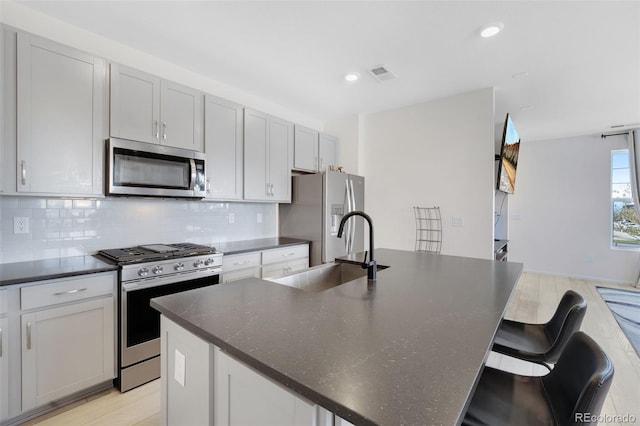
(354, 207)
(348, 207)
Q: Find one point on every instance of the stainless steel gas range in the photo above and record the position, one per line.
(146, 272)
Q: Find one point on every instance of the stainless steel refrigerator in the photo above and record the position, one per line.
(318, 203)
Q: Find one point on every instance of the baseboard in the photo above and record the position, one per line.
(580, 277)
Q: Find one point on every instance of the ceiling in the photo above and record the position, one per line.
(560, 68)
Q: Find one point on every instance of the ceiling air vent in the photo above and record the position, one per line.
(381, 73)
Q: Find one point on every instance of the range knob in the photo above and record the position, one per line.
(198, 263)
(143, 272)
(157, 269)
(178, 266)
(208, 262)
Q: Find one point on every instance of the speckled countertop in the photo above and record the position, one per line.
(38, 270)
(407, 350)
(237, 247)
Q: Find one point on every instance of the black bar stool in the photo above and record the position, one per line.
(571, 394)
(542, 343)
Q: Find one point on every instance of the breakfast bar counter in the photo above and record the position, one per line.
(407, 349)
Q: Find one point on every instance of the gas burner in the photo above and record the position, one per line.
(155, 252)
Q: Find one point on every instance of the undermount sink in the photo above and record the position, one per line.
(324, 277)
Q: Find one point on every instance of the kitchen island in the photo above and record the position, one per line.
(406, 350)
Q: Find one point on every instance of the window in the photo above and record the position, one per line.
(625, 225)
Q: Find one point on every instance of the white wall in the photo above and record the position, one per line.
(435, 153)
(560, 214)
(347, 130)
(24, 18)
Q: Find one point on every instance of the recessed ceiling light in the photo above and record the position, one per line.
(491, 29)
(352, 76)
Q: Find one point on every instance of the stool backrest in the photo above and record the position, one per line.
(565, 321)
(578, 385)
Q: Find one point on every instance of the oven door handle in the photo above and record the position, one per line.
(170, 279)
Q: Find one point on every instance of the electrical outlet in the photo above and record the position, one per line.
(20, 225)
(259, 217)
(179, 367)
(232, 218)
(457, 221)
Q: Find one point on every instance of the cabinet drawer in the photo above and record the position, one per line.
(240, 261)
(276, 270)
(241, 274)
(67, 290)
(284, 254)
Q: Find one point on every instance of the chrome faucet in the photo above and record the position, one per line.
(371, 265)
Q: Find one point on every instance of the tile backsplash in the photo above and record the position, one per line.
(65, 227)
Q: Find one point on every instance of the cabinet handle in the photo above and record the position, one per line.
(28, 336)
(273, 190)
(320, 163)
(240, 263)
(0, 343)
(316, 160)
(164, 130)
(157, 132)
(287, 254)
(23, 170)
(77, 290)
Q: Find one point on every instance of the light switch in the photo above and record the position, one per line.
(232, 218)
(457, 221)
(179, 368)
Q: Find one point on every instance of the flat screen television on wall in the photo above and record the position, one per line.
(508, 157)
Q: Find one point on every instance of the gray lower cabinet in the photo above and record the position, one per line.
(67, 337)
(4, 368)
(203, 385)
(270, 263)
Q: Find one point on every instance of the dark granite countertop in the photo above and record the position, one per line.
(407, 350)
(237, 247)
(38, 270)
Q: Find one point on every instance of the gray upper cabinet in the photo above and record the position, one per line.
(223, 145)
(148, 109)
(305, 148)
(327, 152)
(268, 149)
(61, 98)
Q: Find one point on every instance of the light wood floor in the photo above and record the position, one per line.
(535, 300)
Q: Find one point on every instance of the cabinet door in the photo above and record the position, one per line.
(223, 146)
(4, 368)
(60, 118)
(135, 104)
(327, 152)
(66, 349)
(256, 134)
(280, 159)
(186, 376)
(305, 149)
(244, 397)
(182, 114)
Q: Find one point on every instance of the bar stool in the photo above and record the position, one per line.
(428, 229)
(571, 394)
(542, 343)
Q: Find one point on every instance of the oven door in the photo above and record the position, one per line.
(140, 323)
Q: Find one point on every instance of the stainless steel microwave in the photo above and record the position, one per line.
(146, 169)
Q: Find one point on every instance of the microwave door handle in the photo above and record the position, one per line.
(192, 165)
